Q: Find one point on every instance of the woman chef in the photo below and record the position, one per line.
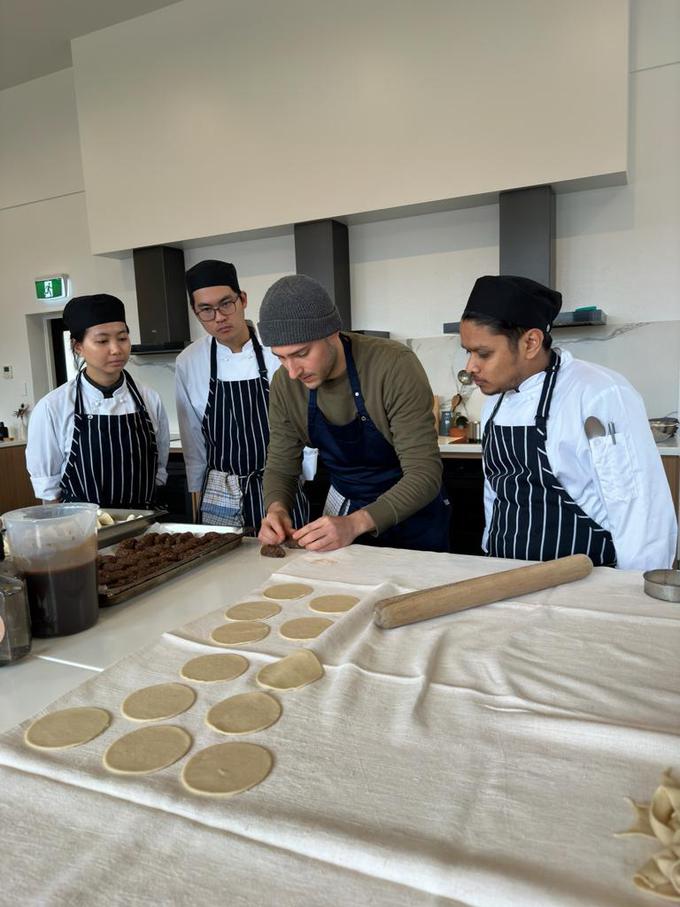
(99, 437)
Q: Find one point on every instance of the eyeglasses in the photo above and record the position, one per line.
(209, 312)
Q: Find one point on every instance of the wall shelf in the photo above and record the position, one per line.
(586, 317)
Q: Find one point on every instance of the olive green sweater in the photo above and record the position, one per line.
(398, 398)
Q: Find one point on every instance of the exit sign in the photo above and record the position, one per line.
(52, 289)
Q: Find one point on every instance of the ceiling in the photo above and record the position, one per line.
(35, 35)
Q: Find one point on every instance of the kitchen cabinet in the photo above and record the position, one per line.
(15, 485)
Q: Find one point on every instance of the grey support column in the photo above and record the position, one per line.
(322, 252)
(527, 233)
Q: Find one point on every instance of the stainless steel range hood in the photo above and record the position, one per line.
(161, 301)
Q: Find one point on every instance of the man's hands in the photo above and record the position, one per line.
(276, 526)
(325, 534)
(331, 532)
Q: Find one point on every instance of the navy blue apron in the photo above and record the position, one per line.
(236, 433)
(533, 517)
(363, 465)
(113, 459)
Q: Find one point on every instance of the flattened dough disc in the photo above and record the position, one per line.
(68, 727)
(292, 672)
(164, 700)
(213, 668)
(304, 627)
(239, 632)
(226, 769)
(253, 611)
(244, 713)
(287, 591)
(148, 749)
(333, 604)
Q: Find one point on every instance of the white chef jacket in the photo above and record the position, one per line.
(621, 486)
(50, 430)
(192, 384)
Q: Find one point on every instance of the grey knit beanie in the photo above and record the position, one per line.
(297, 309)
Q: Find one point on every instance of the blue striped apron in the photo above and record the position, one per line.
(236, 433)
(113, 459)
(533, 517)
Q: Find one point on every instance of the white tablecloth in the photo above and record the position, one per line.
(476, 759)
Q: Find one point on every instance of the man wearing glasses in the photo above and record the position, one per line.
(222, 392)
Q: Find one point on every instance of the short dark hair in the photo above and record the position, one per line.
(512, 331)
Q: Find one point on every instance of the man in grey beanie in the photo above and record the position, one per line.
(365, 403)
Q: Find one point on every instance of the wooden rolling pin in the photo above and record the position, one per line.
(482, 590)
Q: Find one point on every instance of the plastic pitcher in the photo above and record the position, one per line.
(55, 549)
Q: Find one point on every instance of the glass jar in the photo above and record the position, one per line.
(445, 422)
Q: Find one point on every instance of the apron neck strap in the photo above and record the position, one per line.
(259, 355)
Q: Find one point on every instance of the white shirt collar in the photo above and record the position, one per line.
(537, 380)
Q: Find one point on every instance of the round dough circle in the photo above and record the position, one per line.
(304, 627)
(226, 768)
(239, 632)
(287, 591)
(333, 604)
(164, 700)
(68, 727)
(244, 713)
(148, 749)
(292, 672)
(213, 668)
(253, 611)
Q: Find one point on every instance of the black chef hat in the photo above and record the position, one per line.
(212, 273)
(83, 312)
(515, 300)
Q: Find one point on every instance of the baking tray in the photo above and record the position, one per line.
(124, 528)
(231, 539)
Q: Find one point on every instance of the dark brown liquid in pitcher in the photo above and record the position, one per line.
(62, 601)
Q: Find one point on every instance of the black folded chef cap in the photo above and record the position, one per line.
(212, 273)
(514, 300)
(83, 312)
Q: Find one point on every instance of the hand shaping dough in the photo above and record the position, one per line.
(69, 727)
(164, 700)
(244, 713)
(213, 668)
(239, 632)
(148, 749)
(333, 604)
(304, 627)
(288, 591)
(227, 768)
(292, 672)
(253, 611)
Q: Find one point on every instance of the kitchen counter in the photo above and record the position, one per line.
(429, 761)
(4, 444)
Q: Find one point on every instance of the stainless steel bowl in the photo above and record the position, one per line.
(663, 584)
(663, 429)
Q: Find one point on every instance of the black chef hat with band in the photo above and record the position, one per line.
(212, 273)
(514, 300)
(83, 312)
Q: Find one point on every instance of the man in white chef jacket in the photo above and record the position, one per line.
(570, 465)
(222, 394)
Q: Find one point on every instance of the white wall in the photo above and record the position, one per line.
(210, 117)
(616, 247)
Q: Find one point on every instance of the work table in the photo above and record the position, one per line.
(435, 762)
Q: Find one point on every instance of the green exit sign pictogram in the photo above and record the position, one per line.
(51, 288)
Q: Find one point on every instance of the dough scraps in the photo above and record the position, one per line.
(253, 611)
(239, 632)
(226, 768)
(213, 668)
(272, 551)
(66, 728)
(244, 713)
(292, 672)
(333, 604)
(288, 590)
(148, 749)
(164, 700)
(304, 627)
